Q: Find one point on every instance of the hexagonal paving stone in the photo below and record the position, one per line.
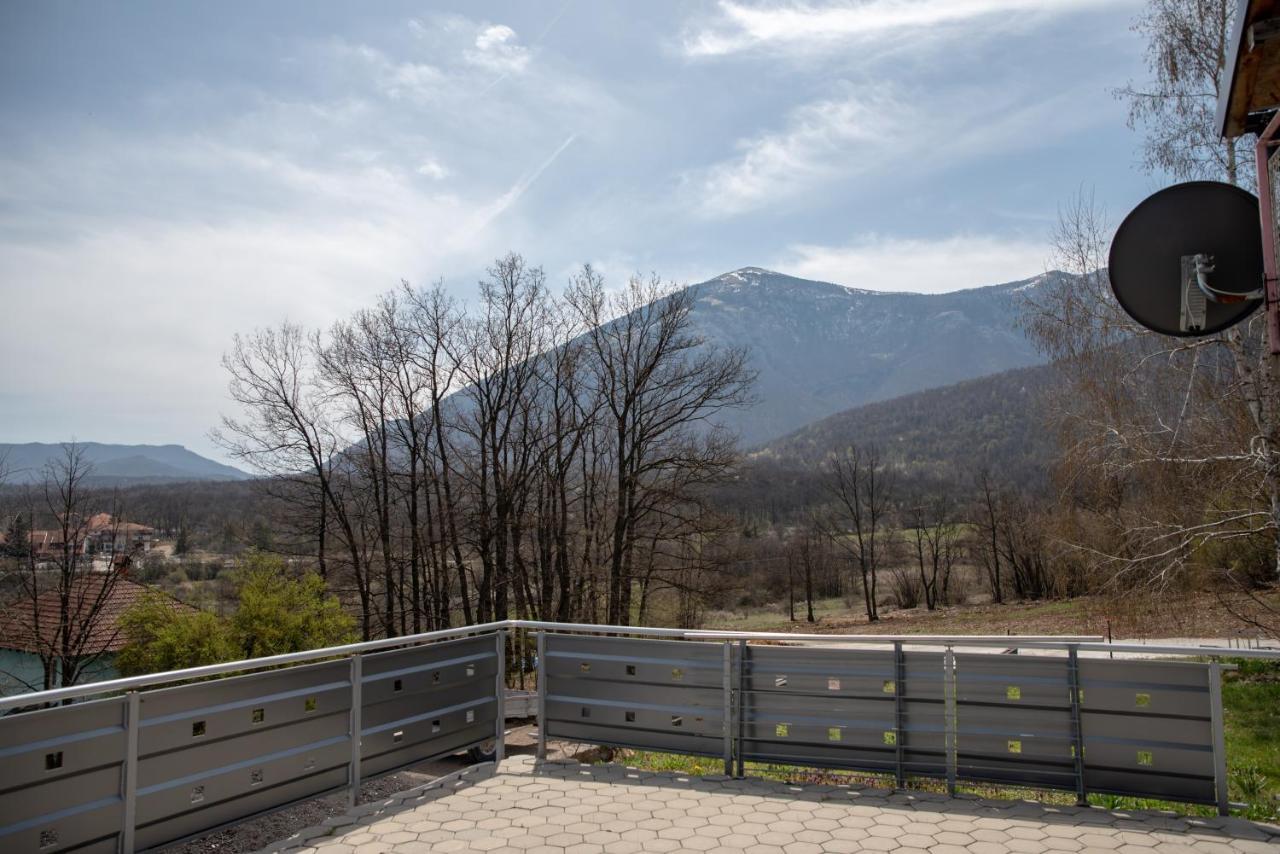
(563, 808)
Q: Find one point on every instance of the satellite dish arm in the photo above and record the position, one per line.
(1205, 266)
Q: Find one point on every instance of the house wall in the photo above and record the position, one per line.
(19, 670)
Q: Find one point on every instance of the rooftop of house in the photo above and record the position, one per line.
(105, 523)
(1250, 89)
(97, 602)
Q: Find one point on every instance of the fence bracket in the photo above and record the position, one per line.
(1219, 739)
(542, 695)
(357, 727)
(133, 711)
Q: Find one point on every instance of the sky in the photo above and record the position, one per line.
(172, 173)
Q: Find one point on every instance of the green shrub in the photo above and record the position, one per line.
(276, 613)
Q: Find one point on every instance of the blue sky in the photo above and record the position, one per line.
(172, 173)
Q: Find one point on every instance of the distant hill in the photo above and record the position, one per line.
(941, 434)
(119, 464)
(821, 348)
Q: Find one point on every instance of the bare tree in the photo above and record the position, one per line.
(529, 455)
(286, 434)
(661, 387)
(1188, 43)
(436, 325)
(62, 609)
(935, 535)
(1167, 444)
(862, 488)
(988, 545)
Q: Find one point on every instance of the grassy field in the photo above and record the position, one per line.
(1195, 615)
(1251, 706)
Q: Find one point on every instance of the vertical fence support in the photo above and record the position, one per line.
(726, 680)
(899, 715)
(1219, 739)
(949, 722)
(133, 710)
(742, 706)
(542, 695)
(500, 688)
(356, 727)
(1077, 727)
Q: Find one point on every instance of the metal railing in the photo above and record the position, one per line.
(148, 760)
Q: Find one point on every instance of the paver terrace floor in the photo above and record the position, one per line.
(567, 808)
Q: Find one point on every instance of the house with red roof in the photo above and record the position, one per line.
(30, 629)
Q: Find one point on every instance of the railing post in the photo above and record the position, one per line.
(949, 721)
(726, 726)
(542, 695)
(1219, 739)
(742, 706)
(899, 718)
(356, 727)
(500, 685)
(1077, 724)
(133, 710)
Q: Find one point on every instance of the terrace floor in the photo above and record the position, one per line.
(568, 808)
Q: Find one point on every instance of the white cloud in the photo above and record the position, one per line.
(433, 169)
(822, 139)
(878, 130)
(806, 27)
(152, 291)
(498, 48)
(394, 80)
(933, 265)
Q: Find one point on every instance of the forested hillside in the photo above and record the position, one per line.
(943, 433)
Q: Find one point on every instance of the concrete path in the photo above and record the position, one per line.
(567, 808)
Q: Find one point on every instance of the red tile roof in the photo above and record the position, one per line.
(105, 523)
(17, 622)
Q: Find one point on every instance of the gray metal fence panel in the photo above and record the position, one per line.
(1014, 720)
(839, 708)
(427, 701)
(651, 694)
(213, 752)
(61, 782)
(1147, 729)
(1145, 726)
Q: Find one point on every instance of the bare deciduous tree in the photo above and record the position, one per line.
(862, 488)
(1188, 43)
(62, 610)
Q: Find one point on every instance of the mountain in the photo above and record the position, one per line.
(821, 348)
(944, 433)
(119, 464)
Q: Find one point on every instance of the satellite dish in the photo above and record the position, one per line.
(1187, 261)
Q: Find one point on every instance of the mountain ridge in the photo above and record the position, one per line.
(118, 464)
(820, 347)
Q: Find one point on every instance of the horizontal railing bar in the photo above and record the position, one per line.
(1013, 641)
(1188, 651)
(593, 628)
(1091, 643)
(130, 683)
